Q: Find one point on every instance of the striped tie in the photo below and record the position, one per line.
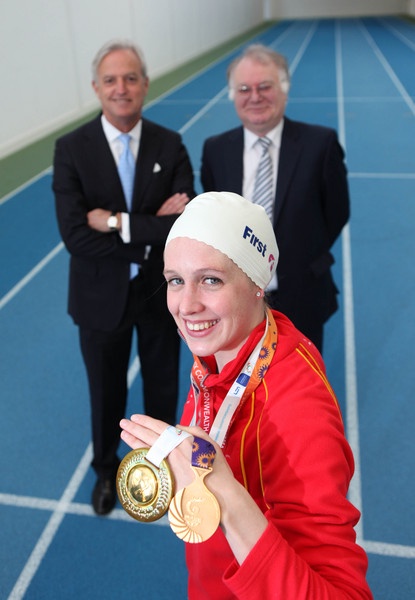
(263, 188)
(126, 171)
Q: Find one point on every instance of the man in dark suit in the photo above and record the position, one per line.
(115, 237)
(309, 197)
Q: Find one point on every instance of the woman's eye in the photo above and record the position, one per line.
(174, 281)
(212, 280)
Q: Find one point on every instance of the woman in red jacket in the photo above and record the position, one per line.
(265, 425)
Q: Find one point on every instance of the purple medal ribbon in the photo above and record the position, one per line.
(203, 453)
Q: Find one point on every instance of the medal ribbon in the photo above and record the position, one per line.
(246, 382)
(203, 453)
(167, 441)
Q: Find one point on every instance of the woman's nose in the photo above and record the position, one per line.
(189, 301)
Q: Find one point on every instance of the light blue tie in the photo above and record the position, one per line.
(126, 170)
(263, 187)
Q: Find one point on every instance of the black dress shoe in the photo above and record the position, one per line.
(104, 496)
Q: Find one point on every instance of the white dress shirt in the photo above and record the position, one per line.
(112, 134)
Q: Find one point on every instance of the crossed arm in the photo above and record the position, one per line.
(98, 217)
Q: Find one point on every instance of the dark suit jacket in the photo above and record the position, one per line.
(311, 208)
(86, 177)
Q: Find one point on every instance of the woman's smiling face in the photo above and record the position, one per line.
(213, 302)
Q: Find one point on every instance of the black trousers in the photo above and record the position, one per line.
(106, 356)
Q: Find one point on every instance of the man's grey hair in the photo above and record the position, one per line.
(264, 55)
(113, 45)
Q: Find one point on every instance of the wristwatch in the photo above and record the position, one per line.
(113, 221)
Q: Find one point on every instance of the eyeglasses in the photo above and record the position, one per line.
(263, 89)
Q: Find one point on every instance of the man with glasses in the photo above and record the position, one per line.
(297, 172)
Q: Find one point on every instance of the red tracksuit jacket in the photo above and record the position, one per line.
(287, 446)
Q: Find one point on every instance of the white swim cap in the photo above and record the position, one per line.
(234, 226)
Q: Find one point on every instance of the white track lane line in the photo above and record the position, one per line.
(60, 508)
(25, 185)
(391, 73)
(51, 528)
(352, 413)
(27, 278)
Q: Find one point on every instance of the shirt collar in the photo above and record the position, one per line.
(274, 135)
(112, 133)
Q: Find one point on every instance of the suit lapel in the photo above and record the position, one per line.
(234, 162)
(289, 153)
(100, 154)
(146, 160)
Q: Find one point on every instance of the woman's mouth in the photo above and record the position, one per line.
(202, 326)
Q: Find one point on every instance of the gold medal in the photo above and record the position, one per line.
(194, 512)
(145, 491)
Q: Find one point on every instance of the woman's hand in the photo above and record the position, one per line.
(142, 431)
(241, 520)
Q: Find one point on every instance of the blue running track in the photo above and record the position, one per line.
(356, 75)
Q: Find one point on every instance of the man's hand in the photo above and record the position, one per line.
(173, 205)
(98, 220)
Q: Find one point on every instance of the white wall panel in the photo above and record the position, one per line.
(46, 46)
(156, 37)
(34, 43)
(91, 24)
